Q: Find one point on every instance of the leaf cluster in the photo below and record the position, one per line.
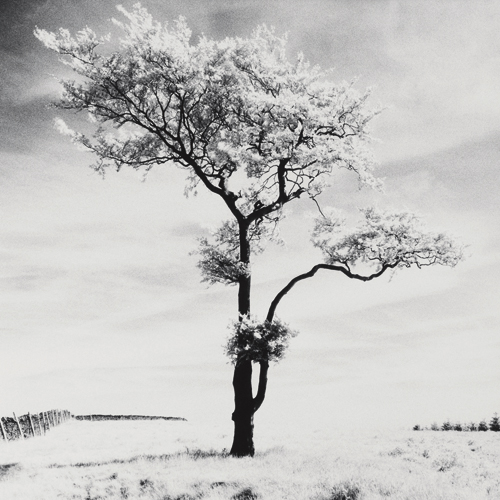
(220, 254)
(219, 258)
(256, 341)
(387, 239)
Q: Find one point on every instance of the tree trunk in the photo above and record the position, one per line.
(243, 437)
(244, 410)
(244, 407)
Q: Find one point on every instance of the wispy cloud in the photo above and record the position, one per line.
(96, 276)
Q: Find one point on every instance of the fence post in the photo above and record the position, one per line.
(31, 424)
(39, 425)
(4, 433)
(18, 426)
(39, 422)
(45, 423)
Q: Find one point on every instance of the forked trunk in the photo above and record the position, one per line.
(245, 405)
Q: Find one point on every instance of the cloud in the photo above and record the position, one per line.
(23, 128)
(448, 66)
(96, 276)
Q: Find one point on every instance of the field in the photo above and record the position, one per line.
(183, 460)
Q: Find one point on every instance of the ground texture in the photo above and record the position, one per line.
(169, 460)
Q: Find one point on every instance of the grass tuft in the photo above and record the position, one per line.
(245, 494)
(145, 484)
(7, 468)
(345, 491)
(396, 452)
(445, 463)
(198, 454)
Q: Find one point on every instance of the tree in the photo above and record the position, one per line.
(255, 130)
(495, 423)
(472, 426)
(483, 426)
(447, 426)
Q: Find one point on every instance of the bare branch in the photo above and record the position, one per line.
(343, 269)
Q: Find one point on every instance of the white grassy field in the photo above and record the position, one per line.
(184, 460)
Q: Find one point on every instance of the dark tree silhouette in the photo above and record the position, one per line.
(495, 423)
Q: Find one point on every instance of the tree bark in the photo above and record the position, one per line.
(243, 437)
(244, 403)
(244, 410)
(246, 406)
(244, 282)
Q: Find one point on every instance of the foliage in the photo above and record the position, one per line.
(394, 239)
(220, 255)
(251, 126)
(257, 341)
(219, 261)
(243, 121)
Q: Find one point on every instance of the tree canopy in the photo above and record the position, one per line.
(252, 127)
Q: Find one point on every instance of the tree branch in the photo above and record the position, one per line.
(261, 391)
(313, 271)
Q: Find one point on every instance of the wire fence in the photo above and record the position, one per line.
(31, 425)
(38, 424)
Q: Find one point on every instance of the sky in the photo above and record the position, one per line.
(101, 305)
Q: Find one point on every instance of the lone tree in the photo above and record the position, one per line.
(259, 132)
(495, 423)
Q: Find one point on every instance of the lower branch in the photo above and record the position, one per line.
(261, 391)
(313, 271)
